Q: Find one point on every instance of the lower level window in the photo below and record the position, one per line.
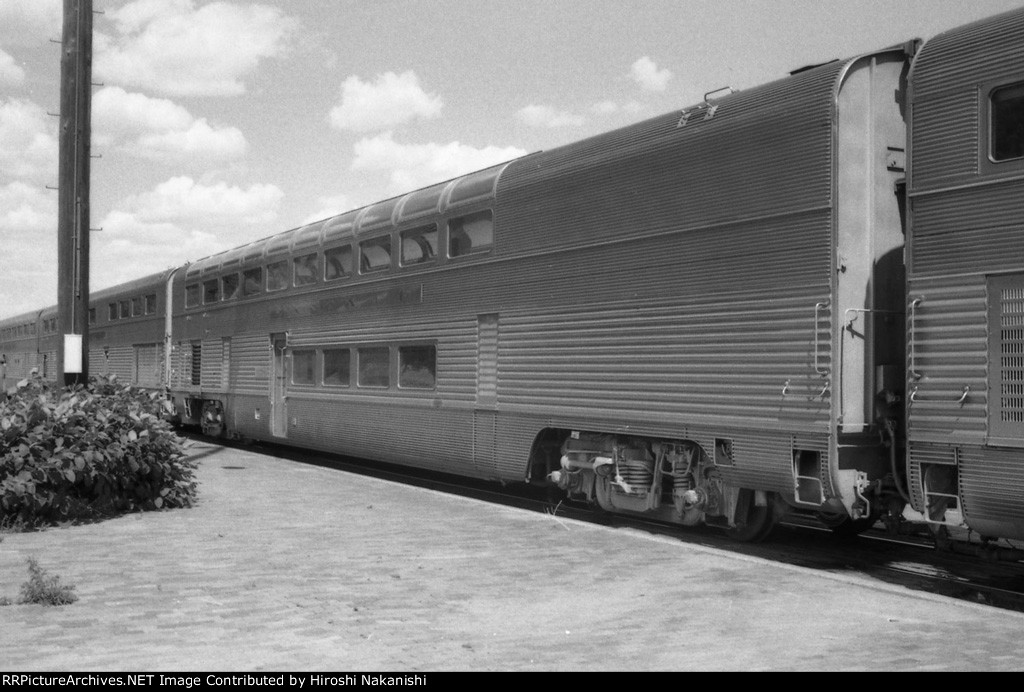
(417, 367)
(337, 367)
(303, 367)
(374, 367)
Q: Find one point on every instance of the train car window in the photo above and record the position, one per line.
(303, 367)
(230, 286)
(337, 367)
(470, 234)
(112, 311)
(419, 245)
(417, 367)
(193, 295)
(277, 275)
(252, 281)
(92, 315)
(338, 263)
(151, 304)
(137, 306)
(211, 291)
(1008, 123)
(125, 309)
(305, 269)
(374, 367)
(375, 255)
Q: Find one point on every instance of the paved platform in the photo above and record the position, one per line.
(282, 566)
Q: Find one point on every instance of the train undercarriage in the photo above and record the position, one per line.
(670, 481)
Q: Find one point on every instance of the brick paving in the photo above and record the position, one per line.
(282, 566)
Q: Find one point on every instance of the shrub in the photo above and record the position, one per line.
(44, 589)
(88, 452)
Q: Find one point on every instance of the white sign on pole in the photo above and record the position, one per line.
(72, 354)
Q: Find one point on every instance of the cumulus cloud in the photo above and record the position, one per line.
(392, 99)
(28, 226)
(174, 48)
(546, 116)
(10, 72)
(29, 142)
(160, 130)
(645, 72)
(178, 221)
(412, 166)
(29, 22)
(615, 108)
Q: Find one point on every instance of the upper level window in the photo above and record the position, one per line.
(375, 255)
(112, 310)
(1008, 123)
(338, 263)
(419, 245)
(470, 234)
(211, 291)
(277, 275)
(305, 269)
(230, 286)
(150, 304)
(252, 281)
(193, 296)
(137, 306)
(92, 315)
(125, 308)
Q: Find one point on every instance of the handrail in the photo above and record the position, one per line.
(914, 374)
(817, 367)
(789, 383)
(959, 402)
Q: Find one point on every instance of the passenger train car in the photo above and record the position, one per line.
(804, 297)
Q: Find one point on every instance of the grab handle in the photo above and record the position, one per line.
(914, 374)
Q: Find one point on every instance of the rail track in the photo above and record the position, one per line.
(909, 561)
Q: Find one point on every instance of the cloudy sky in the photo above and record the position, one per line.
(221, 122)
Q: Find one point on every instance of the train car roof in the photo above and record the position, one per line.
(476, 188)
(132, 287)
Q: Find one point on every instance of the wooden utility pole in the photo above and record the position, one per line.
(73, 194)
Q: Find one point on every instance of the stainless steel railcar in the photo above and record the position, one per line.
(654, 318)
(702, 316)
(965, 264)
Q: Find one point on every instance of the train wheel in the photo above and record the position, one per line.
(753, 522)
(212, 419)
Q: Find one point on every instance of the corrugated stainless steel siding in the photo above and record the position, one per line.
(766, 152)
(954, 59)
(250, 364)
(949, 331)
(945, 138)
(946, 82)
(978, 229)
(990, 484)
(692, 362)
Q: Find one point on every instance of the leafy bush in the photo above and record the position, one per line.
(88, 452)
(44, 589)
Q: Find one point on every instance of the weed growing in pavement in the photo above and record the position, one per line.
(44, 589)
